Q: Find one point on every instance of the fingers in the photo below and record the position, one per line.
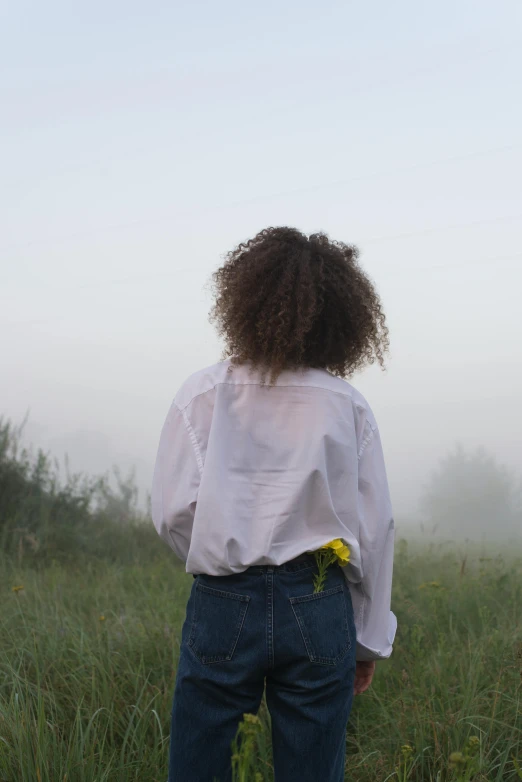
(363, 676)
(362, 684)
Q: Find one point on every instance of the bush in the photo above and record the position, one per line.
(44, 518)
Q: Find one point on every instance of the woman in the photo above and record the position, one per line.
(251, 476)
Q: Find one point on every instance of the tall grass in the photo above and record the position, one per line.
(88, 657)
(90, 626)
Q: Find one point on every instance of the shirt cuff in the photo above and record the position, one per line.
(367, 653)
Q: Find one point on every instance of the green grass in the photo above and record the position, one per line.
(88, 656)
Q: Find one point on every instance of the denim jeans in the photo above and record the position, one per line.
(265, 627)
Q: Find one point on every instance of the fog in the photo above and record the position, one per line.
(140, 142)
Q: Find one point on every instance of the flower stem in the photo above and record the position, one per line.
(324, 558)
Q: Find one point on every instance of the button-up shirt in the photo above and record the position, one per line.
(252, 474)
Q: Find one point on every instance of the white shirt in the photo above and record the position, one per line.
(248, 474)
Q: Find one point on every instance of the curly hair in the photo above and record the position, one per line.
(284, 300)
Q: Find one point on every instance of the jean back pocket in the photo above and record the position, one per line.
(217, 621)
(323, 621)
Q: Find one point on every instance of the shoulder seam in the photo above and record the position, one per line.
(286, 385)
(367, 439)
(193, 438)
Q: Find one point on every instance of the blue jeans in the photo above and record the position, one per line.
(265, 625)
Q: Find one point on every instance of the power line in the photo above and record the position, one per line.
(395, 270)
(259, 199)
(457, 265)
(434, 67)
(378, 174)
(435, 229)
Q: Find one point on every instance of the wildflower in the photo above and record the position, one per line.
(17, 588)
(406, 762)
(334, 551)
(341, 550)
(102, 618)
(434, 584)
(457, 759)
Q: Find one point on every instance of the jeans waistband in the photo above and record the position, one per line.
(298, 563)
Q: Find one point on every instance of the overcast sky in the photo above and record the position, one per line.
(141, 141)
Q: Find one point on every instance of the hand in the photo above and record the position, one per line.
(363, 675)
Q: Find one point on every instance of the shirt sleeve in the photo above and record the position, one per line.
(375, 623)
(176, 482)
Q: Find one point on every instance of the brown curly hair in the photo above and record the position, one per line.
(284, 300)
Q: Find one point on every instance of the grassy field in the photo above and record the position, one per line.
(88, 656)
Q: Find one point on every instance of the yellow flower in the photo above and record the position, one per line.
(102, 618)
(17, 588)
(340, 549)
(457, 759)
(335, 544)
(343, 555)
(334, 551)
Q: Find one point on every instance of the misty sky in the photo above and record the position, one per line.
(141, 141)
